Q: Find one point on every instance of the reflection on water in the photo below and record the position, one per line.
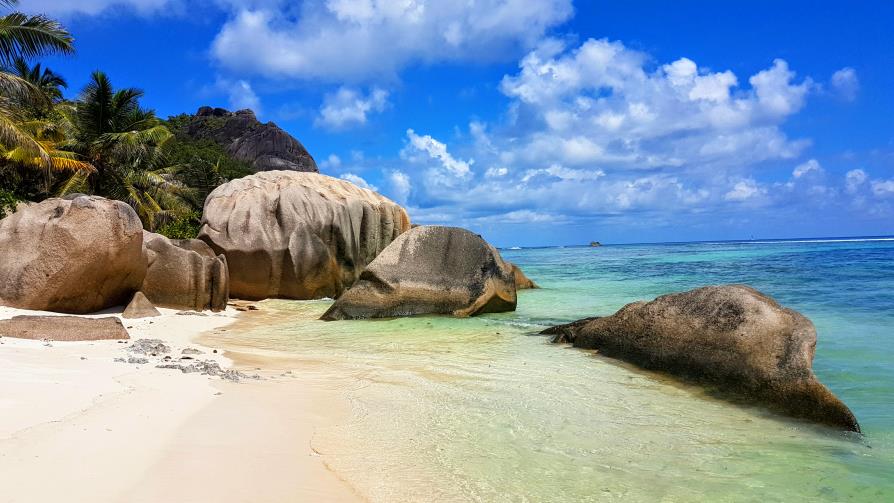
(480, 410)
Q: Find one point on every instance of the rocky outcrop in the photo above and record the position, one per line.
(297, 235)
(77, 255)
(522, 282)
(63, 328)
(430, 270)
(140, 307)
(265, 147)
(731, 337)
(185, 274)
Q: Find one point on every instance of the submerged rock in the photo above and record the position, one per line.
(77, 255)
(522, 282)
(297, 235)
(140, 307)
(430, 270)
(185, 274)
(732, 336)
(63, 328)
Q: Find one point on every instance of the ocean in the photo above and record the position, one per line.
(483, 409)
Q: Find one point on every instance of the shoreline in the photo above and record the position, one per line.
(79, 426)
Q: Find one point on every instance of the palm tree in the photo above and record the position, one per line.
(127, 145)
(23, 37)
(46, 84)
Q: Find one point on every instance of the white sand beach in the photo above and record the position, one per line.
(76, 425)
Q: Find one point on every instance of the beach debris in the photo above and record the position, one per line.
(731, 337)
(152, 347)
(133, 360)
(209, 367)
(190, 313)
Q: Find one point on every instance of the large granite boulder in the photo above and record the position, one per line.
(731, 337)
(265, 147)
(77, 255)
(430, 270)
(63, 328)
(297, 235)
(522, 282)
(185, 274)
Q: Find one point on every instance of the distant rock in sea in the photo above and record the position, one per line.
(731, 336)
(265, 147)
(594, 244)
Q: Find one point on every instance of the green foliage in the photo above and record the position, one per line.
(8, 202)
(202, 155)
(184, 227)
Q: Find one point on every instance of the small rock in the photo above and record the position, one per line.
(152, 347)
(191, 351)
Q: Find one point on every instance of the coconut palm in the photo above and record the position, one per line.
(127, 145)
(45, 84)
(22, 37)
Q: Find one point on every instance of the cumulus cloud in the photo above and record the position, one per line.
(348, 107)
(437, 150)
(358, 181)
(805, 169)
(361, 39)
(744, 191)
(331, 162)
(240, 95)
(399, 186)
(854, 179)
(846, 83)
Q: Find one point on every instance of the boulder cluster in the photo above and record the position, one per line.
(302, 235)
(275, 234)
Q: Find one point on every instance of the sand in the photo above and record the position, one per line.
(75, 425)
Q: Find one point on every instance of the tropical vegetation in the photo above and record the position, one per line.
(102, 142)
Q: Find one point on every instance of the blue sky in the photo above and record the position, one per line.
(543, 122)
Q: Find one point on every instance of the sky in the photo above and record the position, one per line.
(547, 122)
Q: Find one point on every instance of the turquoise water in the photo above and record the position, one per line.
(482, 410)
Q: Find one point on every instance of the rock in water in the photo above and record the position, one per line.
(522, 282)
(63, 328)
(185, 274)
(297, 235)
(430, 270)
(140, 307)
(77, 255)
(732, 336)
(265, 147)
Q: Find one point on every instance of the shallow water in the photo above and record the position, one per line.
(482, 410)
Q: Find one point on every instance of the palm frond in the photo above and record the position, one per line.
(29, 37)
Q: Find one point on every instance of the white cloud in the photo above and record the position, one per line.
(811, 166)
(331, 162)
(348, 107)
(362, 39)
(240, 95)
(400, 186)
(358, 181)
(846, 83)
(883, 188)
(744, 191)
(496, 172)
(437, 150)
(854, 179)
